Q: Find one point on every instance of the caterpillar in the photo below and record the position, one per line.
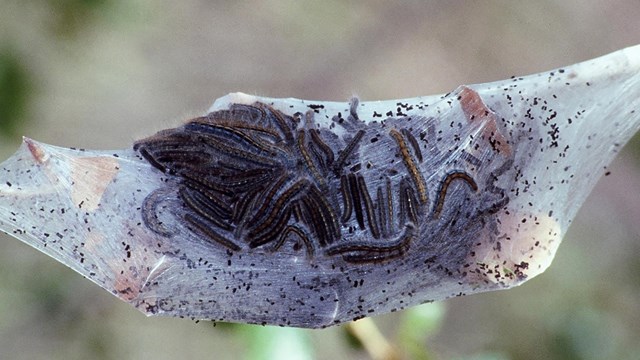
(250, 177)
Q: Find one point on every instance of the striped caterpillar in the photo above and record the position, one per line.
(252, 178)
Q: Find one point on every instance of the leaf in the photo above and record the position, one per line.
(310, 214)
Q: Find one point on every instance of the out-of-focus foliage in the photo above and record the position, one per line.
(416, 325)
(68, 17)
(15, 91)
(101, 73)
(274, 343)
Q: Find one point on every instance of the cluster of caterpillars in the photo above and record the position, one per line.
(251, 177)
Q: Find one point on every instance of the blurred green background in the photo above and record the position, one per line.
(102, 73)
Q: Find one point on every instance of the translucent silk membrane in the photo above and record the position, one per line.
(310, 213)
